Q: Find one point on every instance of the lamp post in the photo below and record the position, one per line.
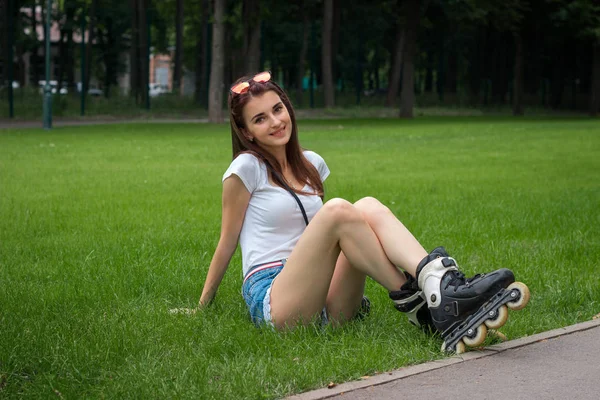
(47, 87)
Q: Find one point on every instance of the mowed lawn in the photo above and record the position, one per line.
(103, 229)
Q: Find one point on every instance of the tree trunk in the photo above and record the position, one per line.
(252, 23)
(500, 69)
(215, 105)
(178, 67)
(335, 39)
(302, 57)
(70, 70)
(407, 96)
(134, 59)
(90, 45)
(42, 43)
(33, 60)
(519, 78)
(559, 72)
(476, 60)
(451, 76)
(429, 72)
(144, 56)
(110, 55)
(595, 84)
(62, 58)
(4, 40)
(328, 87)
(396, 69)
(200, 94)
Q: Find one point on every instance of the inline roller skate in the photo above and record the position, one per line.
(411, 300)
(462, 309)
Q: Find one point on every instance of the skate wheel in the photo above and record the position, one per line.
(477, 337)
(500, 318)
(460, 348)
(523, 299)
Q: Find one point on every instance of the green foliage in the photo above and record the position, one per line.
(470, 32)
(104, 228)
(580, 16)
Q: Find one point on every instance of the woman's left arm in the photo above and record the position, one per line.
(235, 202)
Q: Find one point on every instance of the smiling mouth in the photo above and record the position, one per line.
(278, 132)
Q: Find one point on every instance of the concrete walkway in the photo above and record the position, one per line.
(559, 364)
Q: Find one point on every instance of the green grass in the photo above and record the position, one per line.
(104, 228)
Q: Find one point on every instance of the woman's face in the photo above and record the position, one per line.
(267, 121)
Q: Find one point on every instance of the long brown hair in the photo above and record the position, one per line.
(304, 171)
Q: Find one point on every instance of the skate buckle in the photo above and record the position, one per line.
(452, 308)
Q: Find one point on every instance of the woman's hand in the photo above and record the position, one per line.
(203, 303)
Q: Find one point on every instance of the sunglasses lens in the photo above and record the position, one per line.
(262, 77)
(240, 87)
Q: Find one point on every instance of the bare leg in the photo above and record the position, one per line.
(347, 286)
(346, 291)
(399, 244)
(301, 290)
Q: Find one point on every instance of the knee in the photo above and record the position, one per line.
(340, 210)
(371, 208)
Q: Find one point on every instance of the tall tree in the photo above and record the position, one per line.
(201, 59)
(519, 78)
(302, 55)
(595, 85)
(143, 50)
(113, 24)
(4, 41)
(396, 68)
(517, 27)
(66, 60)
(252, 30)
(85, 84)
(215, 103)
(178, 66)
(326, 56)
(134, 57)
(581, 18)
(407, 97)
(35, 48)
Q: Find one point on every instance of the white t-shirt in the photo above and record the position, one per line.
(273, 222)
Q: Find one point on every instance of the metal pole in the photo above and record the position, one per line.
(83, 86)
(47, 87)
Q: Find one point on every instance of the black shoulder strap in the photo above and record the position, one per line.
(289, 189)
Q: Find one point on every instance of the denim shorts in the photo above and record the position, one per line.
(257, 293)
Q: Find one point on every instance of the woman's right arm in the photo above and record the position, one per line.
(235, 202)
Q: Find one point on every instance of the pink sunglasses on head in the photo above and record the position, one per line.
(243, 87)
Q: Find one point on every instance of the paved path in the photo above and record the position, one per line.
(559, 364)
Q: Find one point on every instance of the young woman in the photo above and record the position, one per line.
(305, 260)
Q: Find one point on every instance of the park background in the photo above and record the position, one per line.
(178, 58)
(108, 223)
